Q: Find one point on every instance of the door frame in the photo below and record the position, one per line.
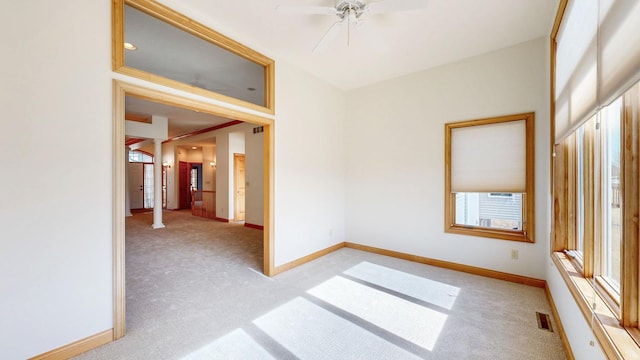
(120, 90)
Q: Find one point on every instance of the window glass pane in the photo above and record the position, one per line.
(489, 210)
(194, 179)
(137, 156)
(580, 191)
(191, 60)
(611, 193)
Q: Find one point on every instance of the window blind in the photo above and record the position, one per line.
(576, 66)
(619, 48)
(489, 158)
(597, 58)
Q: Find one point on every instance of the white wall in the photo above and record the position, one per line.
(194, 156)
(55, 228)
(208, 171)
(236, 146)
(576, 327)
(222, 174)
(169, 154)
(310, 164)
(254, 166)
(395, 156)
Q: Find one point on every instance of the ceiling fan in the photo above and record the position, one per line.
(350, 14)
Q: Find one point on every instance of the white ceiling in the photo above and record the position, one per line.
(181, 121)
(444, 32)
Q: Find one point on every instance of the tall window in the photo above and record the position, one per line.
(596, 73)
(489, 177)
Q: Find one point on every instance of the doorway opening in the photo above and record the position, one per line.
(121, 90)
(141, 178)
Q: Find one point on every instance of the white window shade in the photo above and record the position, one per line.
(597, 58)
(489, 158)
(619, 48)
(576, 66)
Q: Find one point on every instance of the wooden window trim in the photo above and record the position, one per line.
(609, 294)
(616, 341)
(590, 203)
(528, 203)
(186, 24)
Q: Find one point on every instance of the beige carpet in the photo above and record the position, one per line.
(193, 293)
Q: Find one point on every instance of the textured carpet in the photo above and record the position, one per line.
(193, 292)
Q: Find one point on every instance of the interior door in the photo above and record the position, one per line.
(136, 185)
(184, 183)
(239, 185)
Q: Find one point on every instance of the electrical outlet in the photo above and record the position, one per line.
(514, 254)
(330, 232)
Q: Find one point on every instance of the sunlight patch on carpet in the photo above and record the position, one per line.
(412, 322)
(311, 332)
(427, 290)
(235, 345)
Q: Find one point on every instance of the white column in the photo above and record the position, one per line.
(157, 184)
(127, 200)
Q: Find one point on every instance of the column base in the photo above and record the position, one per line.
(157, 226)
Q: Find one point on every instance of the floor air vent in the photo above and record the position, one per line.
(544, 322)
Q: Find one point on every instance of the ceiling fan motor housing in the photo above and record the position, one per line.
(346, 7)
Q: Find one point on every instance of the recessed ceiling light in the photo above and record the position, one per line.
(194, 147)
(130, 46)
(251, 89)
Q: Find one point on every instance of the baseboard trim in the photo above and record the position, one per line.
(452, 266)
(221, 219)
(254, 226)
(563, 335)
(303, 260)
(78, 347)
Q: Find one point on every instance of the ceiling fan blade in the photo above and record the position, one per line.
(328, 37)
(386, 6)
(309, 10)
